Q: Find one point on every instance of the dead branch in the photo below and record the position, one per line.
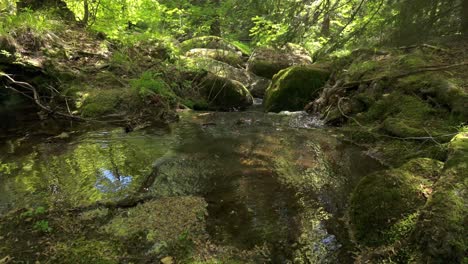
(37, 99)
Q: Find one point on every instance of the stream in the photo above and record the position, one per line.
(280, 180)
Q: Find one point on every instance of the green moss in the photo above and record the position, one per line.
(424, 167)
(294, 87)
(267, 69)
(440, 90)
(357, 70)
(402, 229)
(441, 230)
(408, 116)
(163, 220)
(102, 102)
(380, 201)
(83, 251)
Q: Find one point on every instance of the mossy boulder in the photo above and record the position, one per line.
(384, 199)
(424, 167)
(229, 57)
(161, 221)
(440, 90)
(294, 87)
(102, 102)
(255, 84)
(266, 62)
(224, 94)
(441, 232)
(210, 42)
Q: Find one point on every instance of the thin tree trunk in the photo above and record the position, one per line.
(464, 18)
(215, 28)
(86, 13)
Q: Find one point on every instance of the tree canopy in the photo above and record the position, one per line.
(322, 26)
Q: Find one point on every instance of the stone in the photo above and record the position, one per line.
(266, 62)
(293, 88)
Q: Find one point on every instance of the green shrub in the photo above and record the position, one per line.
(151, 83)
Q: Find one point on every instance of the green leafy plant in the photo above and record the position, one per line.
(43, 226)
(151, 83)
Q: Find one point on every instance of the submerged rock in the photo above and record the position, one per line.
(266, 62)
(294, 87)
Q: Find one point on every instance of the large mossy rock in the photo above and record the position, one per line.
(384, 204)
(226, 56)
(441, 232)
(255, 84)
(441, 90)
(223, 94)
(266, 62)
(211, 42)
(294, 87)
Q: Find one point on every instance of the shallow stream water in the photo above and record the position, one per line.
(280, 180)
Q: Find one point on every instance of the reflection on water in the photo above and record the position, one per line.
(275, 179)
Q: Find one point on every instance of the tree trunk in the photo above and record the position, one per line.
(215, 27)
(325, 31)
(464, 18)
(86, 13)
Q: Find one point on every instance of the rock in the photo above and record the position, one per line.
(381, 200)
(294, 87)
(266, 62)
(63, 135)
(229, 57)
(440, 90)
(224, 94)
(210, 42)
(441, 232)
(167, 260)
(255, 84)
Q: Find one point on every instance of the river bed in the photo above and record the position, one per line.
(274, 181)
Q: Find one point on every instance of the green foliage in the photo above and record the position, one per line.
(43, 226)
(39, 22)
(151, 83)
(266, 32)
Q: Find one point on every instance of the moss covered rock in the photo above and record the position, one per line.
(439, 89)
(384, 199)
(102, 102)
(266, 62)
(224, 94)
(294, 87)
(229, 57)
(441, 232)
(255, 84)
